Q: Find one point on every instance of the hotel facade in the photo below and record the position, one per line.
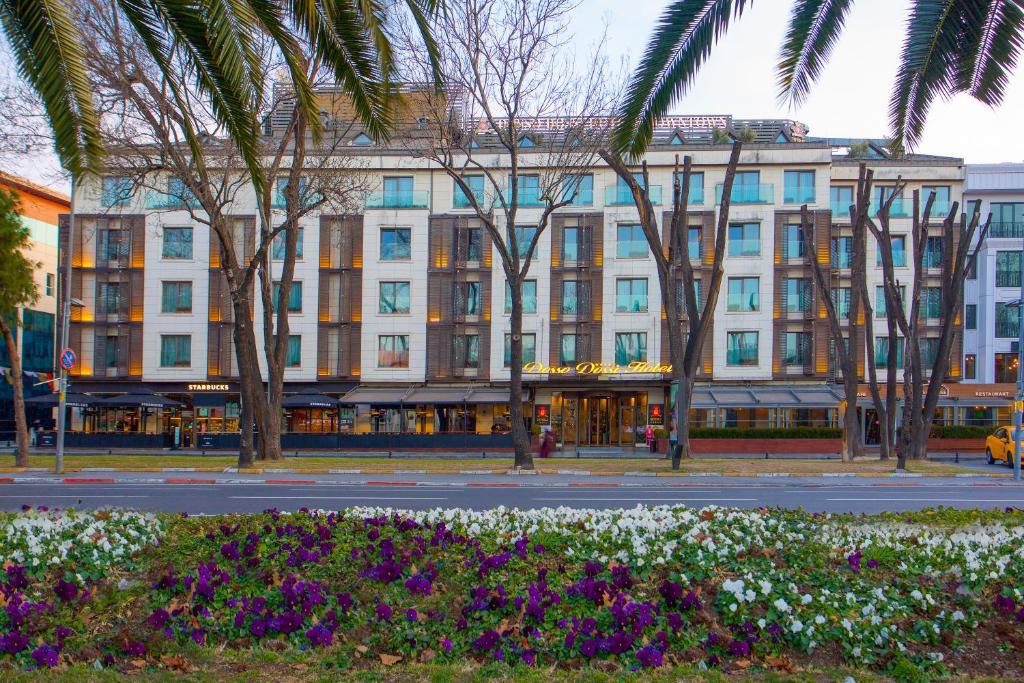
(399, 312)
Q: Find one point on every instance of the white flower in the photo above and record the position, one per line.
(782, 606)
(958, 616)
(819, 620)
(806, 599)
(797, 626)
(732, 607)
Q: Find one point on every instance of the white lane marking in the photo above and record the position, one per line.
(47, 496)
(330, 498)
(935, 500)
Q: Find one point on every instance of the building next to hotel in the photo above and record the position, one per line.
(40, 208)
(400, 313)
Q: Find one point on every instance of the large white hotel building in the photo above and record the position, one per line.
(399, 310)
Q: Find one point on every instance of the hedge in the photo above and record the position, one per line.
(766, 433)
(961, 431)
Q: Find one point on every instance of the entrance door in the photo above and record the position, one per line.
(595, 420)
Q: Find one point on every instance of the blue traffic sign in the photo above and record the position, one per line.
(67, 359)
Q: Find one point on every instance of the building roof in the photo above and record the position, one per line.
(26, 186)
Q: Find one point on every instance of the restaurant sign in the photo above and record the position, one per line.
(207, 387)
(592, 368)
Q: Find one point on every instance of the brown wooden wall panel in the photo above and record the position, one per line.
(136, 225)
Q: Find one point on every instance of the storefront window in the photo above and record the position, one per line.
(460, 419)
(311, 421)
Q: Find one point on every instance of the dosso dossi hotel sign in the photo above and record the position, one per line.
(592, 368)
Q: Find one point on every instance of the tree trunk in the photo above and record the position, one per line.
(249, 379)
(20, 423)
(520, 436)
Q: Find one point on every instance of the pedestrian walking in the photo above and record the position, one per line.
(547, 442)
(652, 443)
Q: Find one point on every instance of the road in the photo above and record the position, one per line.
(253, 497)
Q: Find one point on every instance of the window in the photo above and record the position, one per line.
(631, 295)
(476, 186)
(469, 298)
(630, 347)
(177, 297)
(971, 316)
(1007, 321)
(796, 349)
(474, 244)
(526, 142)
(398, 192)
(929, 348)
(680, 296)
(49, 284)
(568, 350)
(109, 297)
(394, 298)
(744, 294)
(899, 252)
(746, 188)
(741, 348)
(744, 239)
(932, 257)
(1008, 269)
(294, 355)
(395, 244)
(179, 194)
(37, 341)
(177, 243)
(797, 187)
(842, 252)
(694, 242)
(362, 140)
(277, 248)
(840, 201)
(175, 351)
(623, 195)
(696, 195)
(393, 351)
(529, 349)
(570, 243)
(111, 245)
(112, 357)
(880, 309)
(529, 297)
(570, 297)
(1006, 368)
(281, 198)
(796, 295)
(294, 297)
(630, 242)
(881, 195)
(116, 191)
(882, 352)
(466, 351)
(841, 300)
(527, 190)
(940, 207)
(578, 189)
(792, 241)
(524, 237)
(972, 267)
(970, 366)
(931, 303)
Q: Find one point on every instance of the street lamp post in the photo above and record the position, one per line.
(65, 327)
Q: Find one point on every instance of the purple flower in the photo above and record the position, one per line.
(230, 550)
(446, 644)
(650, 657)
(13, 643)
(872, 564)
(739, 648)
(135, 648)
(1004, 604)
(675, 621)
(66, 590)
(530, 657)
(258, 628)
(411, 615)
(383, 612)
(854, 561)
(158, 618)
(592, 569)
(588, 648)
(344, 602)
(487, 641)
(319, 636)
(418, 585)
(45, 655)
(198, 636)
(671, 592)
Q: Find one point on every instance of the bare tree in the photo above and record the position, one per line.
(920, 398)
(518, 112)
(675, 271)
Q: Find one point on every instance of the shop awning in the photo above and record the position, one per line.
(309, 401)
(425, 395)
(490, 395)
(766, 397)
(376, 395)
(73, 400)
(137, 401)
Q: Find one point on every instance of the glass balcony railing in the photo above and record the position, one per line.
(797, 195)
(900, 208)
(281, 202)
(617, 195)
(1008, 278)
(415, 199)
(840, 210)
(763, 193)
(940, 207)
(168, 202)
(1006, 229)
(462, 202)
(113, 199)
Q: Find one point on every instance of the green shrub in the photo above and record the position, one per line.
(766, 433)
(960, 431)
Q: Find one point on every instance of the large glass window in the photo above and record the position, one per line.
(529, 349)
(568, 349)
(796, 295)
(117, 191)
(112, 355)
(37, 340)
(841, 300)
(111, 244)
(880, 309)
(899, 252)
(529, 297)
(940, 207)
(469, 298)
(1007, 321)
(842, 252)
(882, 352)
(1007, 219)
(929, 348)
(398, 192)
(175, 350)
(744, 294)
(694, 242)
(1006, 368)
(1008, 269)
(970, 366)
(631, 295)
(696, 195)
(177, 243)
(281, 198)
(840, 201)
(630, 242)
(394, 298)
(393, 351)
(528, 190)
(395, 244)
(466, 351)
(741, 348)
(744, 239)
(630, 347)
(792, 241)
(294, 297)
(177, 297)
(798, 187)
(476, 186)
(971, 316)
(570, 243)
(932, 257)
(746, 188)
(931, 303)
(277, 248)
(524, 237)
(109, 297)
(797, 349)
(578, 189)
(293, 359)
(570, 297)
(474, 244)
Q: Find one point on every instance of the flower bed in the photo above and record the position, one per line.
(633, 589)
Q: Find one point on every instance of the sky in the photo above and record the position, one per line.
(850, 99)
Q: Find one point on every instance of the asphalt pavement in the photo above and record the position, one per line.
(812, 494)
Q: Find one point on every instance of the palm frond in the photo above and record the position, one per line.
(813, 29)
(47, 48)
(422, 11)
(995, 51)
(682, 41)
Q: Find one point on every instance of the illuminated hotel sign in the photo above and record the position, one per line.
(592, 368)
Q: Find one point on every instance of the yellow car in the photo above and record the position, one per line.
(999, 446)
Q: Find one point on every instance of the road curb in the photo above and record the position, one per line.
(88, 480)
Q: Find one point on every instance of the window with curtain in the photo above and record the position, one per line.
(744, 239)
(294, 297)
(631, 295)
(792, 241)
(931, 303)
(568, 349)
(970, 366)
(882, 352)
(393, 351)
(109, 297)
(395, 244)
(469, 299)
(842, 252)
(932, 257)
(570, 297)
(175, 351)
(630, 242)
(524, 236)
(880, 310)
(277, 247)
(111, 244)
(113, 351)
(741, 348)
(899, 252)
(466, 351)
(694, 242)
(630, 347)
(744, 294)
(476, 186)
(797, 348)
(798, 187)
(474, 244)
(796, 295)
(1007, 321)
(971, 316)
(529, 349)
(579, 189)
(293, 358)
(177, 297)
(177, 243)
(841, 300)
(1008, 269)
(394, 298)
(529, 297)
(570, 243)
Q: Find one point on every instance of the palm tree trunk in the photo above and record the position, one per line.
(20, 423)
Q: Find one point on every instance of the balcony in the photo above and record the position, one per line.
(1007, 329)
(763, 193)
(115, 198)
(161, 201)
(1006, 229)
(280, 202)
(940, 207)
(416, 199)
(1008, 278)
(617, 195)
(900, 208)
(798, 195)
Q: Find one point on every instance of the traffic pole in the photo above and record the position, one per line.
(1018, 404)
(65, 327)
